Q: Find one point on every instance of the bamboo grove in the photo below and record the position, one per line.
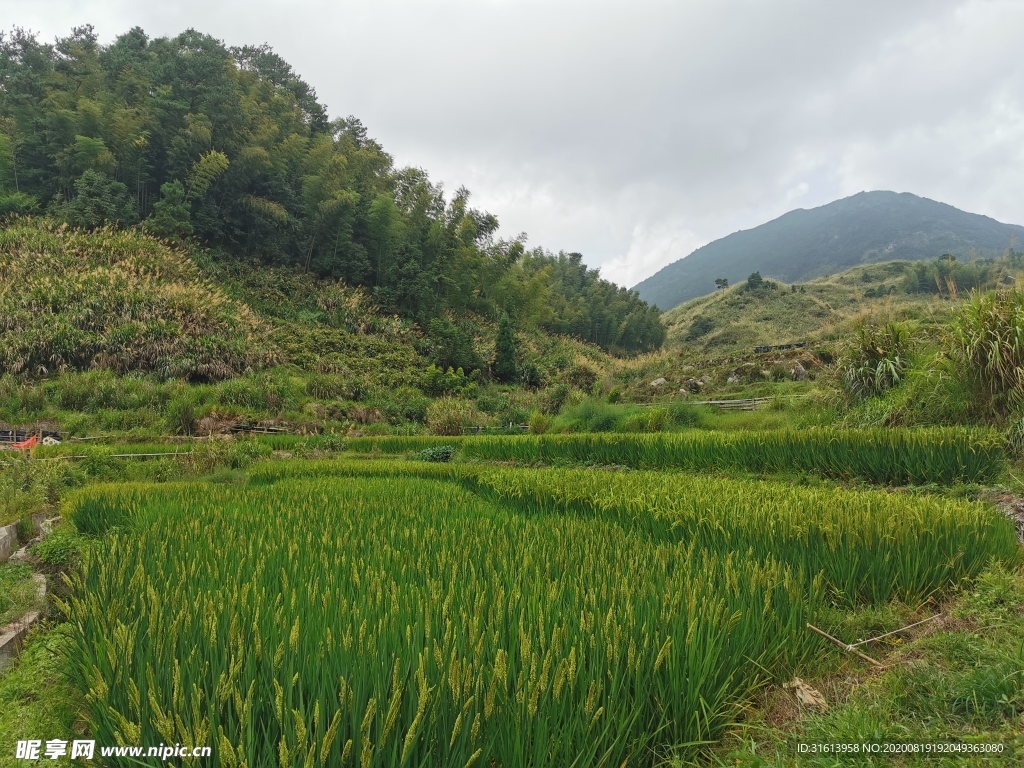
(190, 140)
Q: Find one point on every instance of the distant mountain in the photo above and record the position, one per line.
(866, 228)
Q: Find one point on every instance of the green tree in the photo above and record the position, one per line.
(721, 282)
(755, 281)
(505, 351)
(85, 128)
(170, 219)
(98, 200)
(453, 347)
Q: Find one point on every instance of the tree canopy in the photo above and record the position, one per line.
(229, 146)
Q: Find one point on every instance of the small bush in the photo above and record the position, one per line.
(438, 381)
(448, 416)
(26, 530)
(540, 423)
(876, 358)
(182, 413)
(589, 416)
(582, 376)
(60, 549)
(645, 420)
(556, 398)
(987, 341)
(437, 453)
(682, 415)
(1015, 437)
(210, 455)
(701, 326)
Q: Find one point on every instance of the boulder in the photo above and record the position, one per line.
(733, 379)
(693, 385)
(659, 382)
(799, 372)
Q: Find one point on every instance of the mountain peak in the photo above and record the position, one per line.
(864, 228)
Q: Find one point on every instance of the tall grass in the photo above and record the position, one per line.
(919, 456)
(117, 300)
(400, 621)
(987, 340)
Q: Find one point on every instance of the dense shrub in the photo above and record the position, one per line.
(448, 416)
(987, 342)
(437, 453)
(876, 358)
(60, 549)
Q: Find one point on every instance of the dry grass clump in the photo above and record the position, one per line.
(72, 300)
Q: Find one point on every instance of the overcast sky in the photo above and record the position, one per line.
(636, 131)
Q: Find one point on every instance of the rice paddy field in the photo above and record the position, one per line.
(939, 455)
(386, 612)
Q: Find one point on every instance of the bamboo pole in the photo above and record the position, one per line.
(845, 647)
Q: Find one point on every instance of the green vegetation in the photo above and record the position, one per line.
(115, 300)
(866, 228)
(922, 456)
(18, 592)
(36, 695)
(961, 682)
(189, 244)
(970, 373)
(187, 138)
(29, 486)
(658, 579)
(867, 546)
(823, 310)
(441, 658)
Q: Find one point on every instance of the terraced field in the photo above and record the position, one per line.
(402, 613)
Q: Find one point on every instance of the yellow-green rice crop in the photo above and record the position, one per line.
(867, 545)
(403, 621)
(888, 456)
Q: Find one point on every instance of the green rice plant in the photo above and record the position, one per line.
(886, 456)
(401, 621)
(867, 546)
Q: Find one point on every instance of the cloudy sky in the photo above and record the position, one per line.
(638, 130)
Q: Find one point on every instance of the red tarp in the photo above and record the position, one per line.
(24, 446)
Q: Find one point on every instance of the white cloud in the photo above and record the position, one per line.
(635, 131)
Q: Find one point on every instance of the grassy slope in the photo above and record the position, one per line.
(36, 697)
(816, 312)
(256, 342)
(18, 591)
(959, 679)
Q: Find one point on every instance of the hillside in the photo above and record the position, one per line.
(113, 330)
(869, 227)
(228, 149)
(738, 319)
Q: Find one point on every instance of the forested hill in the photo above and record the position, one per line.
(230, 148)
(866, 228)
